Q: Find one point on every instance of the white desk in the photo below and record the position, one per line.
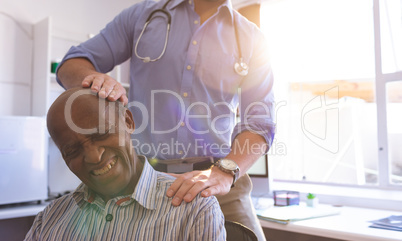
(351, 224)
(21, 211)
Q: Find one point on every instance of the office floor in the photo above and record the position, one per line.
(279, 235)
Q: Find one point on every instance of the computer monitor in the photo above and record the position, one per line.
(259, 174)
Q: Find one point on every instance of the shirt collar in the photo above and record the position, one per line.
(227, 4)
(175, 3)
(229, 7)
(146, 189)
(144, 193)
(82, 195)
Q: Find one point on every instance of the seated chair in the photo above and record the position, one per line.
(238, 232)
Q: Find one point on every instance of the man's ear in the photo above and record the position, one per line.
(129, 121)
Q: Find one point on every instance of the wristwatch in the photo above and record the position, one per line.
(229, 166)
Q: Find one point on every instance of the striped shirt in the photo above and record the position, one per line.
(145, 215)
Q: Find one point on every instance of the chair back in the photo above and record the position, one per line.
(238, 232)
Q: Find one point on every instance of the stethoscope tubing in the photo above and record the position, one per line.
(148, 59)
(160, 10)
(149, 19)
(240, 67)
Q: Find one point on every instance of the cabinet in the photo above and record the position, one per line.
(51, 45)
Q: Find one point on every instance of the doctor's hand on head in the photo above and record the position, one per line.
(106, 87)
(85, 75)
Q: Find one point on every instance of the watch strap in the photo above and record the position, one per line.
(235, 172)
(235, 176)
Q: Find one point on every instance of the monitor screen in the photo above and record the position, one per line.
(260, 168)
(260, 178)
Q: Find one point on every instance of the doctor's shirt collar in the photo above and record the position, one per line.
(227, 4)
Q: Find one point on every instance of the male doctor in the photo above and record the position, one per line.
(202, 86)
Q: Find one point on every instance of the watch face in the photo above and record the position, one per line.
(228, 164)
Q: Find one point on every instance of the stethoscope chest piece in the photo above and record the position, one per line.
(241, 68)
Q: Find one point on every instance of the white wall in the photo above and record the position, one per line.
(81, 16)
(15, 68)
(73, 18)
(77, 16)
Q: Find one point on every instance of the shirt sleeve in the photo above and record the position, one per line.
(209, 223)
(256, 98)
(112, 46)
(35, 231)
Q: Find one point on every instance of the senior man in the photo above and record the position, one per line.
(121, 196)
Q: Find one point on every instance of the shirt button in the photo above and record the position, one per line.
(182, 124)
(109, 217)
(196, 22)
(188, 67)
(194, 42)
(189, 2)
(180, 152)
(185, 94)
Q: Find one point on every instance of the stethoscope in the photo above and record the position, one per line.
(240, 67)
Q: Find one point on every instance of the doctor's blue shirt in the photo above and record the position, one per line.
(190, 102)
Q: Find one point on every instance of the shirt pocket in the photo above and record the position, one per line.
(218, 74)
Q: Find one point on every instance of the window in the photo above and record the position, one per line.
(394, 120)
(329, 100)
(391, 35)
(389, 86)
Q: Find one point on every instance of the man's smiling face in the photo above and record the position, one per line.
(96, 158)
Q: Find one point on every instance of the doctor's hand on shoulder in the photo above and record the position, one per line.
(209, 182)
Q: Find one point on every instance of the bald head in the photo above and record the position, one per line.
(81, 111)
